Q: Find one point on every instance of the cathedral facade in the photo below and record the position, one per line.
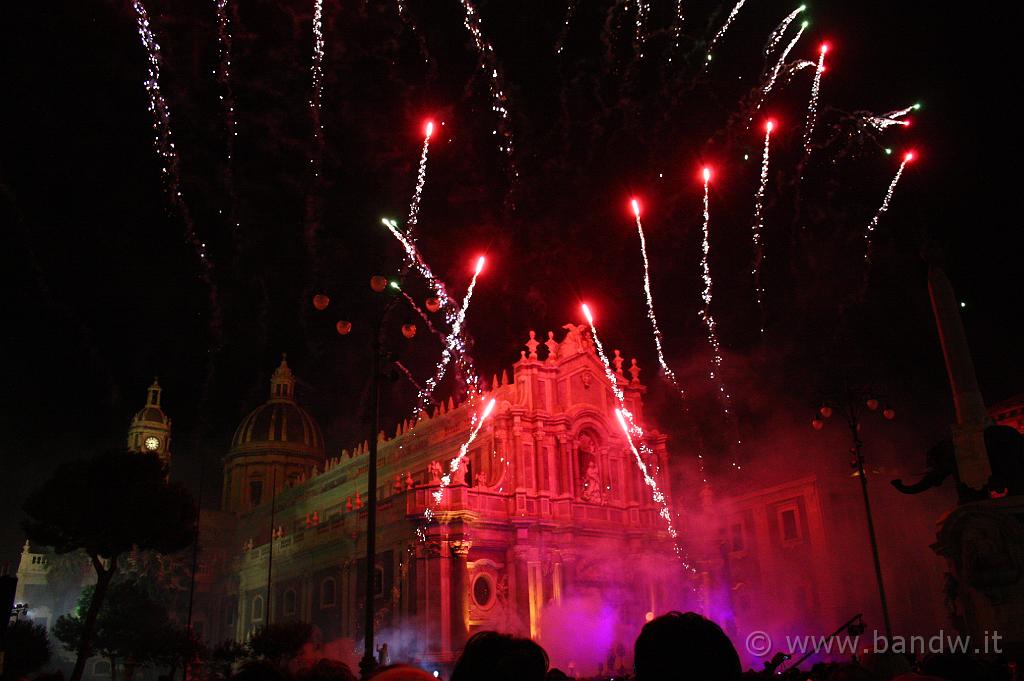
(544, 509)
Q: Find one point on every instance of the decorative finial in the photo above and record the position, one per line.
(617, 361)
(552, 346)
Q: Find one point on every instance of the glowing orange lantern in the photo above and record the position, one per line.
(408, 330)
(433, 304)
(320, 301)
(343, 327)
(378, 283)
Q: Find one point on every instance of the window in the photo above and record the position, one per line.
(378, 581)
(483, 591)
(328, 593)
(790, 529)
(737, 537)
(289, 602)
(257, 608)
(101, 668)
(255, 492)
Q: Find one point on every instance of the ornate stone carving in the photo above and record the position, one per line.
(532, 344)
(552, 346)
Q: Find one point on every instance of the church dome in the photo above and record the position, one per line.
(280, 424)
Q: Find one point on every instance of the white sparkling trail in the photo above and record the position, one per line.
(453, 345)
(725, 27)
(455, 340)
(430, 511)
(318, 81)
(228, 98)
(812, 105)
(776, 36)
(163, 142)
(421, 180)
(868, 233)
(777, 69)
(643, 10)
(631, 428)
(677, 29)
(488, 63)
(570, 12)
(650, 306)
(714, 373)
(887, 120)
(758, 226)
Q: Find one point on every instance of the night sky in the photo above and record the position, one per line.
(102, 292)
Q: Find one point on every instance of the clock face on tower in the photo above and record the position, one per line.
(152, 443)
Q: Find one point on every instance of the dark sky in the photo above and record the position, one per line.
(102, 292)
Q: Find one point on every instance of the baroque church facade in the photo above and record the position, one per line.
(548, 492)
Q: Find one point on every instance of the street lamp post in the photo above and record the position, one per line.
(380, 285)
(849, 404)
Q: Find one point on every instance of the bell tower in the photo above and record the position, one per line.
(150, 429)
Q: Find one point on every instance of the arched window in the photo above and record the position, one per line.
(257, 608)
(328, 593)
(289, 602)
(101, 668)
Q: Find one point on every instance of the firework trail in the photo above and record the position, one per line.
(631, 429)
(759, 222)
(488, 63)
(775, 37)
(163, 143)
(228, 99)
(430, 511)
(318, 83)
(812, 105)
(677, 29)
(456, 342)
(881, 122)
(772, 77)
(570, 12)
(725, 27)
(868, 233)
(706, 316)
(650, 303)
(423, 315)
(421, 180)
(643, 11)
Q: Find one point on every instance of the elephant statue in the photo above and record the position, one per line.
(1005, 446)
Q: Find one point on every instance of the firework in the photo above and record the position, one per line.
(488, 64)
(163, 143)
(677, 29)
(421, 180)
(868, 233)
(318, 80)
(631, 428)
(758, 226)
(725, 27)
(227, 96)
(423, 315)
(812, 105)
(714, 372)
(777, 69)
(775, 37)
(881, 122)
(643, 10)
(453, 465)
(570, 12)
(650, 303)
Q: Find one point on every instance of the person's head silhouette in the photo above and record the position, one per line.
(490, 656)
(684, 647)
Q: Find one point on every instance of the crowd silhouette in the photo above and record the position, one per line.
(673, 647)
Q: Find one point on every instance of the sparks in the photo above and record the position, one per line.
(758, 226)
(775, 37)
(650, 304)
(478, 421)
(725, 27)
(228, 98)
(714, 372)
(677, 29)
(318, 78)
(881, 122)
(421, 180)
(570, 12)
(163, 143)
(643, 9)
(868, 233)
(631, 428)
(773, 77)
(488, 64)
(812, 105)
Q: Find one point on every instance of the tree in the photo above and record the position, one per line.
(26, 648)
(279, 643)
(105, 506)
